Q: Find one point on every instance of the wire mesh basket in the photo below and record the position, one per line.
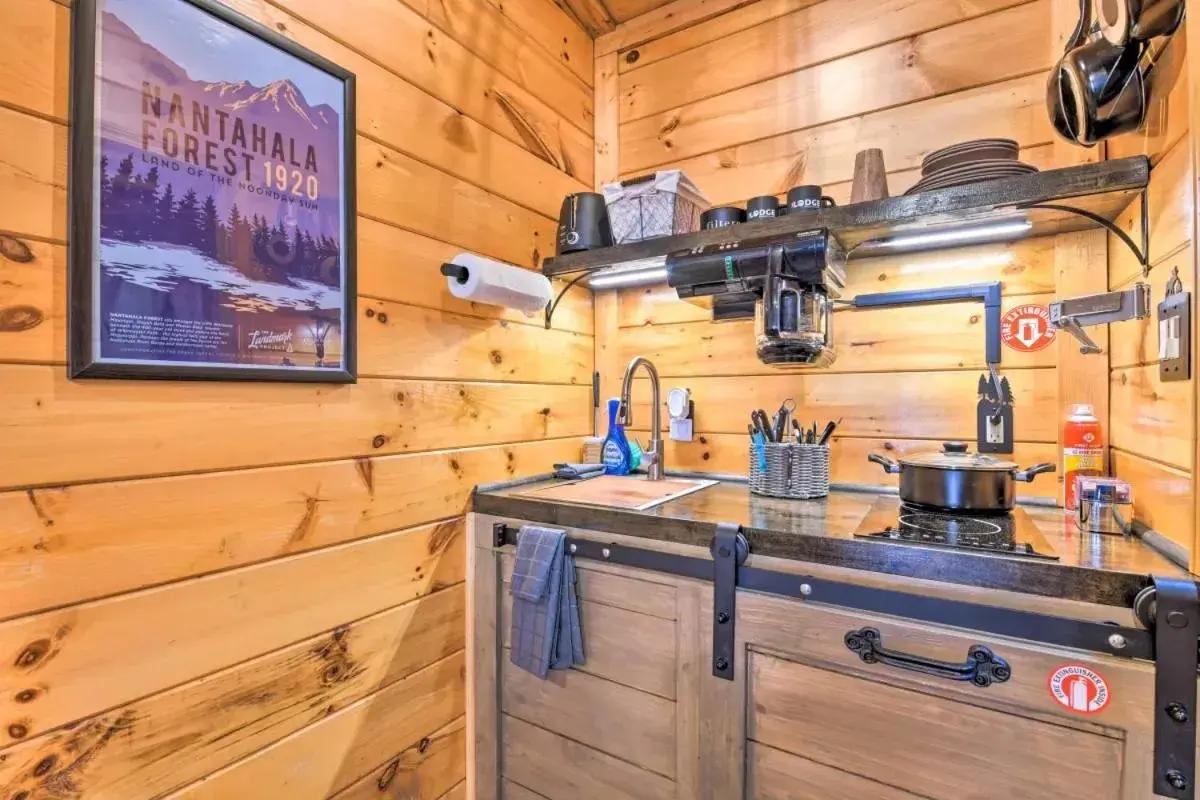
(663, 203)
(792, 471)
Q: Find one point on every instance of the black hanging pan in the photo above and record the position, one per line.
(1123, 21)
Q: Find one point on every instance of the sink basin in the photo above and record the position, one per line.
(631, 492)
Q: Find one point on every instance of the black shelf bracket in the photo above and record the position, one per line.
(550, 307)
(1142, 253)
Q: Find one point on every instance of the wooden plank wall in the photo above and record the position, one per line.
(257, 590)
(788, 93)
(752, 99)
(1153, 431)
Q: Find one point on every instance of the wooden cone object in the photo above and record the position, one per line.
(870, 176)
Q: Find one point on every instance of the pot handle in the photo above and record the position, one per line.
(889, 466)
(1027, 475)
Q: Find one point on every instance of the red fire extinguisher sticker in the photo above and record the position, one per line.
(1027, 328)
(1079, 689)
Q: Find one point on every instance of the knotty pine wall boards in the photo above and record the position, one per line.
(754, 98)
(215, 590)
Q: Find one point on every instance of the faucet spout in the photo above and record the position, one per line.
(655, 469)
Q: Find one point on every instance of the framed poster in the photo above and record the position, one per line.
(212, 198)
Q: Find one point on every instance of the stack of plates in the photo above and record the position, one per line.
(970, 162)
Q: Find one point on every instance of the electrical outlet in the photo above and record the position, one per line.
(995, 431)
(681, 430)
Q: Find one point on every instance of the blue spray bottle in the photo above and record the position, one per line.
(616, 455)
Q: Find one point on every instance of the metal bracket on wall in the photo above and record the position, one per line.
(1142, 254)
(729, 551)
(550, 307)
(994, 409)
(1176, 627)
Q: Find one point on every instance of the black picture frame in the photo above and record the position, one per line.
(83, 227)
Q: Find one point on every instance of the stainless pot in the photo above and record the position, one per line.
(958, 480)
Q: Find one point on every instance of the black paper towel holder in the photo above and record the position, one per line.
(459, 273)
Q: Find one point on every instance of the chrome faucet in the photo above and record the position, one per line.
(653, 458)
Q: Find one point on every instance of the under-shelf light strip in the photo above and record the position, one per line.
(653, 270)
(982, 233)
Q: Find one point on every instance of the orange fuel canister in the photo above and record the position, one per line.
(1083, 449)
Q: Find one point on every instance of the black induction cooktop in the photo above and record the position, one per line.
(1011, 534)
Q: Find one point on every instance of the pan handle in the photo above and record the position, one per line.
(1027, 475)
(889, 466)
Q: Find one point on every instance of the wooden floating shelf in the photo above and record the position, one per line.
(1104, 189)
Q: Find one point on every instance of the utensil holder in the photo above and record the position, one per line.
(794, 471)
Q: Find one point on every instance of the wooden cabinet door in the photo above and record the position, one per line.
(805, 717)
(603, 730)
(819, 723)
(830, 727)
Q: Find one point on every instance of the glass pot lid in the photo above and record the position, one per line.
(955, 455)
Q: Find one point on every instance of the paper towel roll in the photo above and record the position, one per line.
(498, 284)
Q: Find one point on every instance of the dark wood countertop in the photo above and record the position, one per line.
(1091, 568)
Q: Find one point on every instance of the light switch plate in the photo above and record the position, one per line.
(1175, 337)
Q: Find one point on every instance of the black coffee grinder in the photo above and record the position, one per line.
(794, 280)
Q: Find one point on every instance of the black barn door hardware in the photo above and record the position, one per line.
(1170, 607)
(981, 668)
(669, 563)
(729, 550)
(1176, 612)
(1098, 637)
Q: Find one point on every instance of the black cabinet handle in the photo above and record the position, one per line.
(981, 668)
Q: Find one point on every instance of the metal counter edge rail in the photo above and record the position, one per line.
(1169, 607)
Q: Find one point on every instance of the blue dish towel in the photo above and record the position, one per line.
(545, 618)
